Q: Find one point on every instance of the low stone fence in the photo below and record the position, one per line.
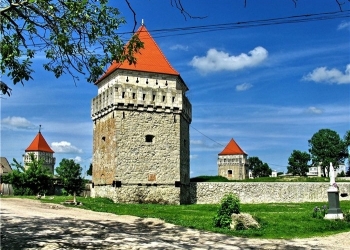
(264, 192)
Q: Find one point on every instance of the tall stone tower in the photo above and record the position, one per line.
(41, 150)
(232, 162)
(141, 119)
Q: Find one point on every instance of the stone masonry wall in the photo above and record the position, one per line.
(263, 192)
(161, 194)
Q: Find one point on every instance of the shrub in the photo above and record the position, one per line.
(319, 212)
(347, 216)
(229, 205)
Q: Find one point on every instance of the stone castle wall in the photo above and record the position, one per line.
(263, 192)
(160, 194)
(212, 192)
(141, 138)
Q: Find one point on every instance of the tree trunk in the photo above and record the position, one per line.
(74, 197)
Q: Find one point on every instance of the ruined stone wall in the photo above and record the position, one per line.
(263, 192)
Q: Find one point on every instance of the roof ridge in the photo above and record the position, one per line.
(150, 58)
(39, 144)
(232, 148)
(149, 34)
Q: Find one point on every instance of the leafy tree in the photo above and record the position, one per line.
(326, 147)
(33, 180)
(75, 36)
(89, 171)
(70, 176)
(298, 163)
(258, 168)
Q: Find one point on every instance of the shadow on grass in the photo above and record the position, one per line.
(36, 232)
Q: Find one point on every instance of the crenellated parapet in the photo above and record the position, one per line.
(133, 92)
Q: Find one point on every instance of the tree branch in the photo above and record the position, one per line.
(134, 13)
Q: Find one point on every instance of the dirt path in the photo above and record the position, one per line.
(29, 224)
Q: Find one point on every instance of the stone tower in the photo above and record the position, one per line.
(232, 162)
(141, 119)
(41, 150)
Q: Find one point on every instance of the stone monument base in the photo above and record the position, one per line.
(334, 216)
(334, 211)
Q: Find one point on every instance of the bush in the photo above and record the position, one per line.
(319, 212)
(347, 216)
(230, 204)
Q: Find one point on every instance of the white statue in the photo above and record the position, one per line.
(331, 174)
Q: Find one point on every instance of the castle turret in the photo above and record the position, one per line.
(141, 119)
(232, 162)
(41, 150)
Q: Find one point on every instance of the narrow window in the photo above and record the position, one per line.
(173, 98)
(154, 97)
(143, 96)
(149, 138)
(133, 95)
(163, 98)
(123, 94)
(229, 173)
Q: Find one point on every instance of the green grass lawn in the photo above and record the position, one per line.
(292, 220)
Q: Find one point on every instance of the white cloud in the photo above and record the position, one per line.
(78, 159)
(193, 156)
(65, 147)
(179, 47)
(314, 110)
(243, 86)
(17, 122)
(322, 74)
(219, 60)
(344, 25)
(196, 142)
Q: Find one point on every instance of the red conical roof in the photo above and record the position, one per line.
(148, 59)
(39, 144)
(232, 148)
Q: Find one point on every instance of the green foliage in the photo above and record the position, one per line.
(89, 171)
(319, 212)
(298, 163)
(76, 37)
(258, 168)
(70, 176)
(33, 180)
(230, 204)
(347, 216)
(342, 174)
(326, 147)
(206, 178)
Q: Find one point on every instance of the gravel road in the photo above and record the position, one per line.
(30, 224)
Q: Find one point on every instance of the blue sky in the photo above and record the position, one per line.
(269, 87)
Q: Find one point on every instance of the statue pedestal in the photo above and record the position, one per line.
(334, 211)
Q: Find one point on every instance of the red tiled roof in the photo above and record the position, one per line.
(232, 148)
(39, 144)
(148, 59)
